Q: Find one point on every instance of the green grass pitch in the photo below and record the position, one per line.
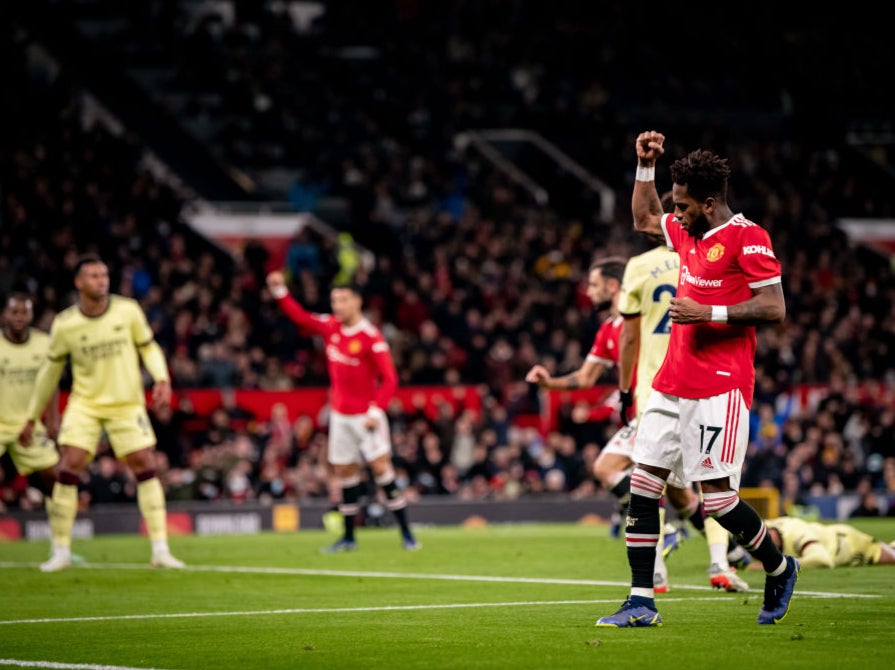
(500, 596)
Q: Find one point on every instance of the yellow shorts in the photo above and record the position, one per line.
(39, 455)
(127, 427)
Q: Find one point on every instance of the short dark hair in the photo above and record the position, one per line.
(612, 267)
(703, 173)
(86, 259)
(352, 286)
(17, 294)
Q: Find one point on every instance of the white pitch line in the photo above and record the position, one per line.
(415, 575)
(21, 663)
(325, 610)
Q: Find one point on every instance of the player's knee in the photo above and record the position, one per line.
(140, 462)
(343, 472)
(680, 498)
(350, 480)
(69, 478)
(384, 476)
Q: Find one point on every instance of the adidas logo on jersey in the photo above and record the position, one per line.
(707, 463)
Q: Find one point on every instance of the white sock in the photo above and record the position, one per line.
(61, 551)
(160, 547)
(718, 556)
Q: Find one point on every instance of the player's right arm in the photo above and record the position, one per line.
(646, 205)
(46, 384)
(584, 377)
(276, 283)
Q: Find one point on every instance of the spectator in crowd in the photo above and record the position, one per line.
(868, 506)
(108, 482)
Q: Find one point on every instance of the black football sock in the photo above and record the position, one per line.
(397, 504)
(744, 523)
(349, 509)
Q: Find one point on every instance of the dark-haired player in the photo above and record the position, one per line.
(363, 380)
(23, 350)
(696, 422)
(103, 337)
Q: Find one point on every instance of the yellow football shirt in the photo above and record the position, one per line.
(825, 545)
(648, 285)
(19, 364)
(102, 352)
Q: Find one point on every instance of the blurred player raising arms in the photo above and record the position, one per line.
(22, 351)
(363, 378)
(103, 337)
(695, 423)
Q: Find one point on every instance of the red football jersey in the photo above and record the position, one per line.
(606, 350)
(605, 347)
(361, 370)
(721, 268)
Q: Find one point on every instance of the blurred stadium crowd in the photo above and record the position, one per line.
(473, 281)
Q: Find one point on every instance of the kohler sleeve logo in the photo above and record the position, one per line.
(758, 249)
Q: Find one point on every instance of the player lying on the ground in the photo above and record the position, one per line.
(822, 545)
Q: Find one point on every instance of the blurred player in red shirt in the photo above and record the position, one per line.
(363, 380)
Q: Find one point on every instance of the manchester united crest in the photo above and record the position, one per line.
(354, 347)
(715, 253)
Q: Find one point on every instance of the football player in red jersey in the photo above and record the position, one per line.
(363, 380)
(695, 423)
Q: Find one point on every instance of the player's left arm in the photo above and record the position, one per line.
(154, 361)
(761, 271)
(766, 305)
(628, 348)
(630, 307)
(45, 387)
(388, 375)
(153, 358)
